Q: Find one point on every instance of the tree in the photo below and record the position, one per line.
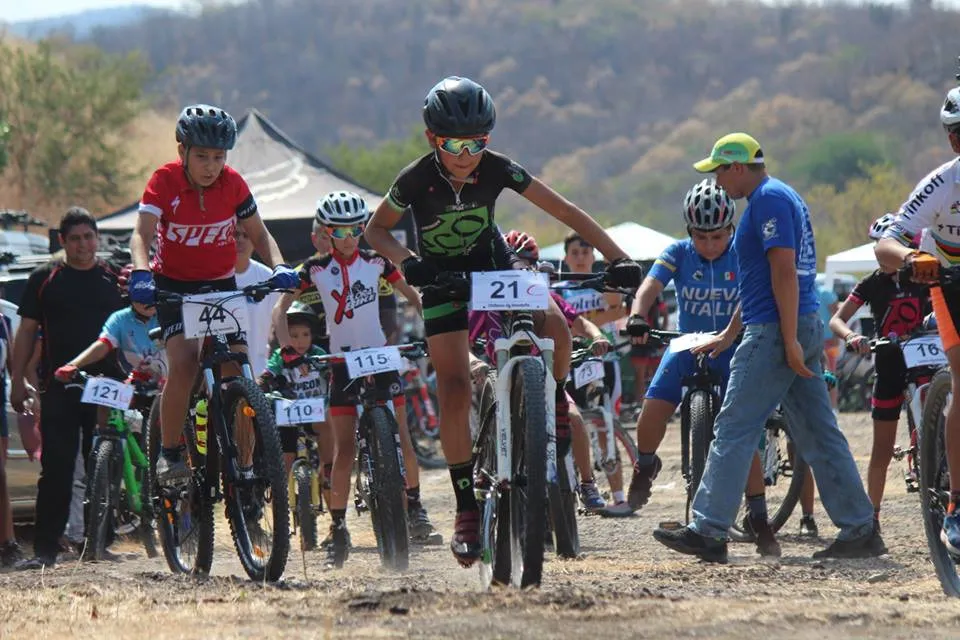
(67, 109)
(376, 168)
(837, 158)
(4, 137)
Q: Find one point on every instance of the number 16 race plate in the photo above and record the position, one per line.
(924, 351)
(515, 290)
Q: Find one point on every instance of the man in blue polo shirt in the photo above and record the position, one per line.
(777, 362)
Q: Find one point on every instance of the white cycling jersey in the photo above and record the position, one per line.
(934, 206)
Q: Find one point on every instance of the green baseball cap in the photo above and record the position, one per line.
(733, 147)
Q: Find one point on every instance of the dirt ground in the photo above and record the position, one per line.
(625, 585)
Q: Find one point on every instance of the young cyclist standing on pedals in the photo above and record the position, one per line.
(933, 206)
(452, 192)
(191, 208)
(348, 283)
(704, 267)
(897, 310)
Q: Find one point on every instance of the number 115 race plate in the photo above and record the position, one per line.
(515, 290)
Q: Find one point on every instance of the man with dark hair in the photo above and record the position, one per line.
(69, 299)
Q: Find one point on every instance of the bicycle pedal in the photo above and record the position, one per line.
(671, 525)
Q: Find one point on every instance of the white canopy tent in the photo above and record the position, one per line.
(856, 260)
(640, 242)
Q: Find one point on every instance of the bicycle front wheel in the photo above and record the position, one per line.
(306, 517)
(935, 480)
(701, 417)
(387, 490)
(101, 500)
(184, 516)
(257, 505)
(563, 510)
(528, 491)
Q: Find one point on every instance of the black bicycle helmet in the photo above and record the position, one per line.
(201, 125)
(303, 314)
(459, 108)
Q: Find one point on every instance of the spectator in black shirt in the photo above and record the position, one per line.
(68, 299)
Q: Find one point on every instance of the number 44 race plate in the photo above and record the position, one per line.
(516, 290)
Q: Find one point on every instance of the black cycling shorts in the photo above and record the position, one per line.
(890, 381)
(170, 317)
(343, 390)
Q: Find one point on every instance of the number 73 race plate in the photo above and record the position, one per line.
(515, 290)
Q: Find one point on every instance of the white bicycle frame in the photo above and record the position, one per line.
(605, 409)
(505, 368)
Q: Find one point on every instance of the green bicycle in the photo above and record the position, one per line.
(117, 501)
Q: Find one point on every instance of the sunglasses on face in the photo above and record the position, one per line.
(456, 146)
(340, 233)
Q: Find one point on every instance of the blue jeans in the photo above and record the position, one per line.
(760, 379)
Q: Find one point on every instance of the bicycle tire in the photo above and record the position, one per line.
(426, 447)
(146, 532)
(306, 517)
(101, 500)
(199, 539)
(387, 490)
(528, 492)
(701, 419)
(563, 513)
(265, 559)
(935, 481)
(778, 516)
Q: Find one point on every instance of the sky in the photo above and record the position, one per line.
(13, 11)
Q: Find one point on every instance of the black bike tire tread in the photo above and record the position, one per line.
(100, 483)
(701, 435)
(563, 512)
(530, 376)
(389, 514)
(272, 456)
(782, 513)
(306, 517)
(934, 405)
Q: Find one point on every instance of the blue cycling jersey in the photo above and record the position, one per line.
(707, 291)
(129, 335)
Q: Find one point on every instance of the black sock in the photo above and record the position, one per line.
(338, 516)
(757, 506)
(462, 477)
(171, 453)
(413, 497)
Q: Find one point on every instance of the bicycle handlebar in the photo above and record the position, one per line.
(256, 292)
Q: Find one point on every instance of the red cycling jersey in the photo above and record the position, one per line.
(195, 238)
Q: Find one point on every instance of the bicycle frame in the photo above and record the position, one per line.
(133, 456)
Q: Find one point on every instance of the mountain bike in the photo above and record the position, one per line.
(934, 467)
(423, 418)
(242, 464)
(783, 470)
(381, 475)
(117, 500)
(611, 445)
(514, 451)
(303, 481)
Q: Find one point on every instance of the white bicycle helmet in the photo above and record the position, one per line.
(342, 208)
(707, 207)
(950, 111)
(880, 225)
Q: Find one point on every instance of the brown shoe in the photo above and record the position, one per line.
(641, 484)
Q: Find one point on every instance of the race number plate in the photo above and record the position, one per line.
(690, 341)
(924, 351)
(217, 313)
(587, 372)
(509, 291)
(107, 392)
(302, 411)
(367, 362)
